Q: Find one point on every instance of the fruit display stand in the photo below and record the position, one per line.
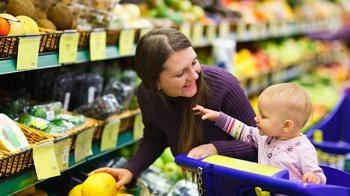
(201, 35)
(29, 178)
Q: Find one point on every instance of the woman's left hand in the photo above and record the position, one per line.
(202, 151)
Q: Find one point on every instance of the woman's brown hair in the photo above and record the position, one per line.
(153, 49)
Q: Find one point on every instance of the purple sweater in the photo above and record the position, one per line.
(162, 118)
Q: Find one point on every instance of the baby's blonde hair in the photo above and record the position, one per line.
(293, 101)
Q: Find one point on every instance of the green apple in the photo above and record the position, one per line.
(125, 152)
(171, 170)
(159, 163)
(167, 156)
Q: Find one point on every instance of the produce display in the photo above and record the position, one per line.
(12, 138)
(61, 99)
(50, 119)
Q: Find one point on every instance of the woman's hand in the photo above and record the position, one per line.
(202, 151)
(205, 113)
(122, 176)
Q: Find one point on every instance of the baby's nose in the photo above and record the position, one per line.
(256, 119)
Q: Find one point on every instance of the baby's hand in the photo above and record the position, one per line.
(205, 113)
(310, 177)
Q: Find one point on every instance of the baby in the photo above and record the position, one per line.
(283, 111)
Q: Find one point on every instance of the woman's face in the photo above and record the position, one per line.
(181, 69)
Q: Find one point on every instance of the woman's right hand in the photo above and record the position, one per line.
(122, 176)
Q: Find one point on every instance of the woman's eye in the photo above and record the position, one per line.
(179, 75)
(194, 62)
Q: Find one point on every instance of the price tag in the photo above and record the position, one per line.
(45, 160)
(186, 30)
(197, 34)
(211, 33)
(255, 83)
(126, 42)
(241, 29)
(28, 51)
(62, 148)
(143, 32)
(97, 45)
(224, 29)
(68, 47)
(138, 127)
(83, 144)
(110, 135)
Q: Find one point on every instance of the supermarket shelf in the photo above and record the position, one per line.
(8, 65)
(28, 178)
(50, 60)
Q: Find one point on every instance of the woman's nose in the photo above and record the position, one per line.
(194, 74)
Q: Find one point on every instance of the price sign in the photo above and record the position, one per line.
(138, 127)
(28, 51)
(224, 29)
(197, 34)
(97, 45)
(62, 148)
(83, 144)
(186, 30)
(211, 33)
(45, 160)
(126, 42)
(143, 32)
(68, 47)
(110, 135)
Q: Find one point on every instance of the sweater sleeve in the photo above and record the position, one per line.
(151, 145)
(238, 129)
(236, 104)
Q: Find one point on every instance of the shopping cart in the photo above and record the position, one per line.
(335, 129)
(219, 175)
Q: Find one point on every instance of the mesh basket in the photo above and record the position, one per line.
(8, 46)
(84, 37)
(112, 36)
(126, 122)
(49, 42)
(11, 164)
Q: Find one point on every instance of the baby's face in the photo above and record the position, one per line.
(270, 119)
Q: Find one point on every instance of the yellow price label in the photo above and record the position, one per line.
(197, 34)
(138, 127)
(211, 33)
(45, 160)
(126, 42)
(83, 144)
(28, 52)
(143, 32)
(68, 47)
(110, 135)
(241, 29)
(224, 29)
(62, 148)
(98, 45)
(186, 30)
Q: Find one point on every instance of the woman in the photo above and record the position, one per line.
(173, 82)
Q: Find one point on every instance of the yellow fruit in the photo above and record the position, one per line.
(16, 27)
(99, 184)
(76, 191)
(28, 24)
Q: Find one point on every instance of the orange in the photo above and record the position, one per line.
(4, 26)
